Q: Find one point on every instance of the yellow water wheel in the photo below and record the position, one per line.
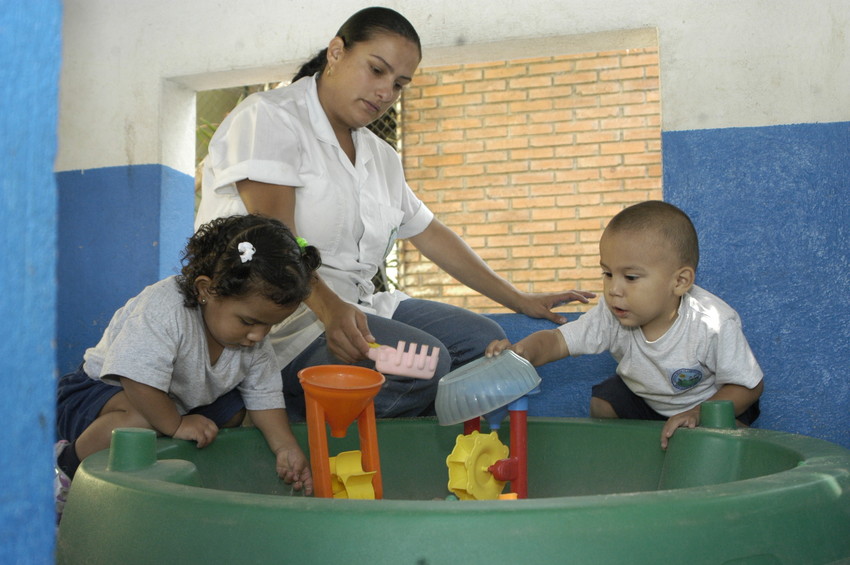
(469, 466)
(348, 479)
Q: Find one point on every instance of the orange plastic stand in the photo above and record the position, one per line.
(338, 395)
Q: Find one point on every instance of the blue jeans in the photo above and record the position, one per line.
(460, 335)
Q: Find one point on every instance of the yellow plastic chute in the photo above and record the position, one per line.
(348, 479)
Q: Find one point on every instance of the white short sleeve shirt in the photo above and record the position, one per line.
(353, 213)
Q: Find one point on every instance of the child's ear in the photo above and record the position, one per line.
(202, 285)
(684, 280)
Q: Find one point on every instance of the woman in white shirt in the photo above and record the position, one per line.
(303, 155)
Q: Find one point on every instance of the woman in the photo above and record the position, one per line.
(302, 154)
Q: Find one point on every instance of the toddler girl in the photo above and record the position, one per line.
(188, 355)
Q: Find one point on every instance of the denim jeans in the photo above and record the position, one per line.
(460, 335)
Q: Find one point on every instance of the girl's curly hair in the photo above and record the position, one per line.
(280, 269)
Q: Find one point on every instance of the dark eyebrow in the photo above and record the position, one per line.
(251, 320)
(626, 268)
(390, 67)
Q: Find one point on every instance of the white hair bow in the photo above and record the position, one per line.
(246, 251)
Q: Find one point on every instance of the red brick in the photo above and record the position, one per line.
(553, 68)
(550, 92)
(598, 63)
(505, 72)
(485, 86)
(465, 123)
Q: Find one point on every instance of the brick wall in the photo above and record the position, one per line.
(527, 160)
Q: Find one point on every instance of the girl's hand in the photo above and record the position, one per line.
(194, 427)
(540, 305)
(687, 419)
(293, 468)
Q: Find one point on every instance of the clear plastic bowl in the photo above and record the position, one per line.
(482, 386)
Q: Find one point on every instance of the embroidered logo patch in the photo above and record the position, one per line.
(683, 379)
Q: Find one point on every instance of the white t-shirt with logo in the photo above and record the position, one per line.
(703, 350)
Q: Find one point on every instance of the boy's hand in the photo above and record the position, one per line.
(496, 347)
(293, 468)
(194, 427)
(687, 419)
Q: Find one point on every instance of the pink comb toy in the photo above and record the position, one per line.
(397, 361)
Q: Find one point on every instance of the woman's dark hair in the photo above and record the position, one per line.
(280, 269)
(363, 26)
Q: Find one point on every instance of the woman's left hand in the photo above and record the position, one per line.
(540, 305)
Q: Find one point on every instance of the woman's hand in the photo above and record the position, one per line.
(540, 305)
(347, 332)
(449, 252)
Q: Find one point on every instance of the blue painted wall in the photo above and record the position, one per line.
(30, 46)
(120, 229)
(772, 208)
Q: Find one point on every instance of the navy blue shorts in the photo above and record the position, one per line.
(630, 406)
(81, 398)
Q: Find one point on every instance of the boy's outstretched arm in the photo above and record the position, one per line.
(291, 463)
(741, 396)
(538, 348)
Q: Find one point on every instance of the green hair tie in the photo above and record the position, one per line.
(302, 243)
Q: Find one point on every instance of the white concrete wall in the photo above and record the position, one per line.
(131, 67)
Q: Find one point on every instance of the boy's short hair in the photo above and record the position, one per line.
(668, 221)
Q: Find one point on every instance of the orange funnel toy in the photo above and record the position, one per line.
(338, 395)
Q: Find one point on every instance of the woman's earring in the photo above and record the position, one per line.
(330, 70)
(203, 301)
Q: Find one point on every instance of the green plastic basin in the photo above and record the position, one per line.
(599, 492)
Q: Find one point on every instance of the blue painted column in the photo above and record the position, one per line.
(30, 50)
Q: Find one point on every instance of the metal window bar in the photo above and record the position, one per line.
(388, 128)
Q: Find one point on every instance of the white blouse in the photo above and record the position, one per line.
(353, 213)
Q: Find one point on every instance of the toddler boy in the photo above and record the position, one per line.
(676, 344)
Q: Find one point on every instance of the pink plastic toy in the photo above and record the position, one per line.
(397, 361)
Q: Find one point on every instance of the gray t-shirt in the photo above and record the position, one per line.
(704, 349)
(155, 340)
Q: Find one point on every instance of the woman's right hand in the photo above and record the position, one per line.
(347, 332)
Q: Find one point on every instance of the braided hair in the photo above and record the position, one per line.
(276, 265)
